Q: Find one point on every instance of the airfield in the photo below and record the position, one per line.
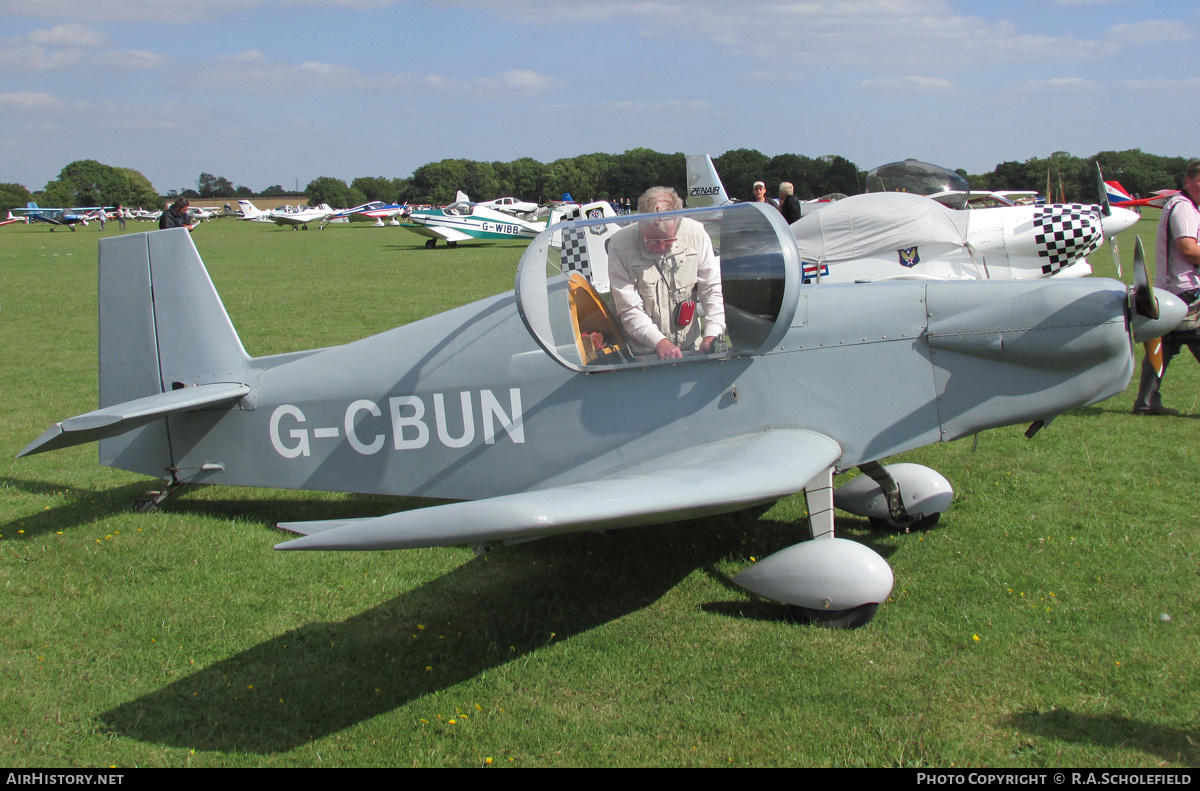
(1050, 620)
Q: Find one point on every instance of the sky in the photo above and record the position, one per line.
(266, 92)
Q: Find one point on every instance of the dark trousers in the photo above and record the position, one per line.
(1149, 388)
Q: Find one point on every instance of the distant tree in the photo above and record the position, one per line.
(1141, 173)
(841, 175)
(740, 168)
(335, 192)
(189, 193)
(630, 174)
(243, 192)
(525, 177)
(438, 182)
(481, 182)
(210, 186)
(274, 191)
(141, 191)
(584, 176)
(87, 182)
(803, 172)
(57, 193)
(376, 188)
(13, 196)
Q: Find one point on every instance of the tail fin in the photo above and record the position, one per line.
(163, 328)
(461, 197)
(703, 183)
(1116, 192)
(249, 210)
(31, 205)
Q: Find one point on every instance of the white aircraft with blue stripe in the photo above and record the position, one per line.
(464, 221)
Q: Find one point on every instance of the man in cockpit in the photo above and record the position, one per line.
(658, 270)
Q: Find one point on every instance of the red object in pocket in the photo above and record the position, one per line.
(685, 313)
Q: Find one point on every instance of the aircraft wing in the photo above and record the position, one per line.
(441, 232)
(714, 478)
(114, 420)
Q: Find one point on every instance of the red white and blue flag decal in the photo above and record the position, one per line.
(812, 270)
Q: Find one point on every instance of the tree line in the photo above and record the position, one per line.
(604, 177)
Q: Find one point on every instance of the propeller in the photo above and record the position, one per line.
(1152, 312)
(1106, 210)
(1142, 300)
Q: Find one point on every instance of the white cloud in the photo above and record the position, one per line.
(911, 84)
(33, 58)
(124, 10)
(1151, 31)
(71, 35)
(681, 109)
(133, 60)
(29, 100)
(1185, 88)
(1059, 85)
(517, 81)
(852, 33)
(252, 71)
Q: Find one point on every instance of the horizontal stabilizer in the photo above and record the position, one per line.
(117, 419)
(715, 478)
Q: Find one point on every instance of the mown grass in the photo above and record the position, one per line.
(1025, 631)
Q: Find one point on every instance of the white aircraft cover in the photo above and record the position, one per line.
(877, 224)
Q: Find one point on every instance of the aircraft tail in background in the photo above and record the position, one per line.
(167, 346)
(250, 211)
(704, 187)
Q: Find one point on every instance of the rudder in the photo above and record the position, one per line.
(162, 327)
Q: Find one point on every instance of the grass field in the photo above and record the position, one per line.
(1050, 620)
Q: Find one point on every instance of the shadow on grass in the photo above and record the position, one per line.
(324, 677)
(83, 506)
(1175, 745)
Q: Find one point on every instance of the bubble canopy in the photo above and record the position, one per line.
(562, 285)
(919, 178)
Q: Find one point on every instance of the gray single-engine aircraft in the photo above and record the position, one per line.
(511, 406)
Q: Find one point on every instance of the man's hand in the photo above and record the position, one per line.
(707, 344)
(667, 350)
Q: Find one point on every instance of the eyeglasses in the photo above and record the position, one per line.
(664, 244)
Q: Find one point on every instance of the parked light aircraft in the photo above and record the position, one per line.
(143, 215)
(510, 205)
(464, 221)
(1119, 196)
(375, 212)
(249, 211)
(56, 217)
(505, 405)
(299, 218)
(199, 214)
